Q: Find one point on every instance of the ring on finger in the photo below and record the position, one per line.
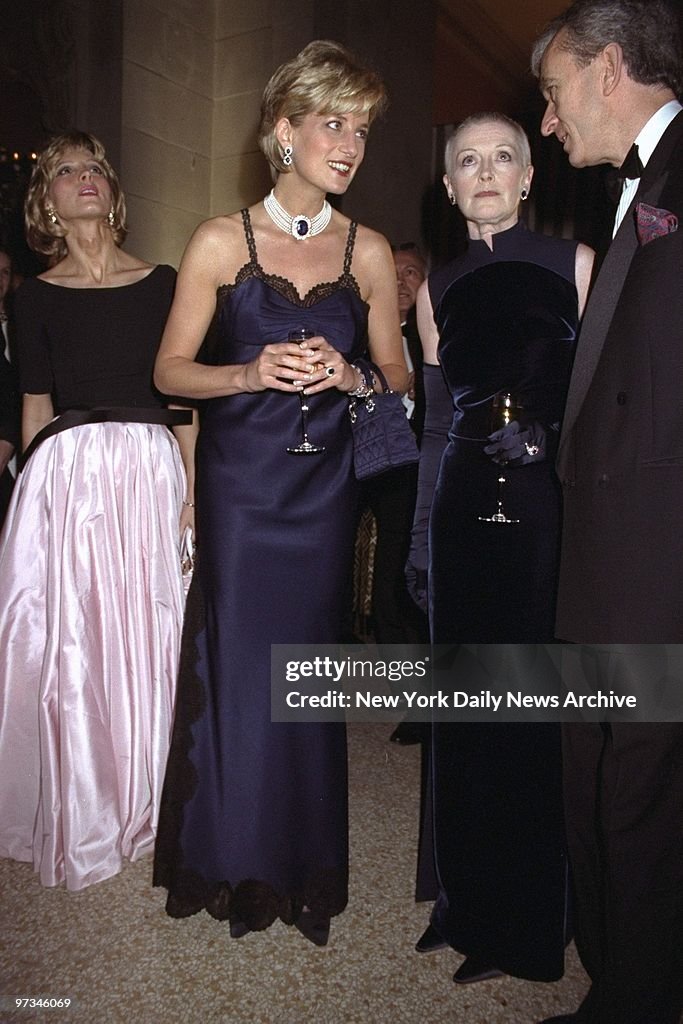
(329, 371)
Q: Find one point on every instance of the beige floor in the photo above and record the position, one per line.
(116, 954)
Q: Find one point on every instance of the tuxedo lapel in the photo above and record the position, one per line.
(608, 287)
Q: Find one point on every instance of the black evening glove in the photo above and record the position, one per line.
(517, 443)
(438, 418)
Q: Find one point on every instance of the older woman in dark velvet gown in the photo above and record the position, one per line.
(499, 320)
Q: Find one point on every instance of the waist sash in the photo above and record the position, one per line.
(80, 417)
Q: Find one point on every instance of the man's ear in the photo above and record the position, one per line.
(612, 67)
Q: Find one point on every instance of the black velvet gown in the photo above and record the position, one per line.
(507, 321)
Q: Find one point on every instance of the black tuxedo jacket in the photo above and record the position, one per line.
(620, 458)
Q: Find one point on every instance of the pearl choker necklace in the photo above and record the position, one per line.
(299, 227)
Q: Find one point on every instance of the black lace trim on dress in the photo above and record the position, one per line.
(181, 780)
(284, 286)
(251, 904)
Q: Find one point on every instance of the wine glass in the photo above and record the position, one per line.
(504, 409)
(305, 447)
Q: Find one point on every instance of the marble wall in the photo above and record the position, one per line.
(192, 76)
(166, 121)
(173, 88)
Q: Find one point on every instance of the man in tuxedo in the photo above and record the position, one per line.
(9, 394)
(610, 71)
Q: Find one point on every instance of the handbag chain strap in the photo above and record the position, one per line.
(370, 371)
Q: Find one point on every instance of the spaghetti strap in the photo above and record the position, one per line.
(282, 284)
(249, 235)
(350, 242)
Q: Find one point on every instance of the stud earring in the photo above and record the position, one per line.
(524, 194)
(51, 215)
(287, 156)
(111, 218)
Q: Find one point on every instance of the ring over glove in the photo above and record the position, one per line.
(518, 443)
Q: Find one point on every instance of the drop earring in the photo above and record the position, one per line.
(452, 200)
(111, 218)
(51, 215)
(287, 156)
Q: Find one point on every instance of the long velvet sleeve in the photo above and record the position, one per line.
(438, 418)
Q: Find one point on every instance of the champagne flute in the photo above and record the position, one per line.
(305, 447)
(504, 409)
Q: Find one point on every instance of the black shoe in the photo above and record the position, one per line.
(238, 929)
(407, 733)
(316, 930)
(472, 970)
(430, 941)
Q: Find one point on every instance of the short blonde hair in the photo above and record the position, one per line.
(485, 117)
(46, 238)
(324, 78)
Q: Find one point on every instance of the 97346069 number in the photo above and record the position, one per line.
(36, 1002)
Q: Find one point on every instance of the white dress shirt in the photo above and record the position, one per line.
(408, 403)
(646, 141)
(5, 336)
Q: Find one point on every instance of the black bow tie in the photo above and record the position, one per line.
(615, 176)
(632, 166)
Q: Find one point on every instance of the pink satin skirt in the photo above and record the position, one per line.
(91, 606)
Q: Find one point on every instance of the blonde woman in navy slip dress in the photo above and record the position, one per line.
(254, 819)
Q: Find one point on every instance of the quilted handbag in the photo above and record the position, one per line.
(382, 436)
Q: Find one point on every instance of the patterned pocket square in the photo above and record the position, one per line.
(652, 223)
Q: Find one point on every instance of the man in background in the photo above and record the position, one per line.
(411, 270)
(391, 496)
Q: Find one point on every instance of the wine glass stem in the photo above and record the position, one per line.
(501, 485)
(304, 416)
